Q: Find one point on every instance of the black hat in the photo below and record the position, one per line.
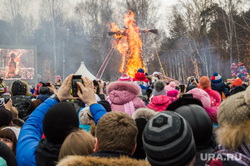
(7, 154)
(18, 88)
(183, 101)
(5, 117)
(59, 121)
(199, 121)
(238, 89)
(105, 104)
(168, 140)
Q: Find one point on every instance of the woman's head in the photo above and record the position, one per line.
(79, 142)
(9, 136)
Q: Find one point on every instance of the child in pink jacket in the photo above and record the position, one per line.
(122, 95)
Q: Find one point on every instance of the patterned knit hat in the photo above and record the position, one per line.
(159, 88)
(125, 77)
(168, 140)
(234, 120)
(216, 78)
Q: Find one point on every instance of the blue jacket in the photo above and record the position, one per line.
(220, 87)
(32, 131)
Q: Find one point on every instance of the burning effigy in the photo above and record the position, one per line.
(128, 42)
(13, 64)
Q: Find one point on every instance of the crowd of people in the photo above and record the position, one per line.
(143, 120)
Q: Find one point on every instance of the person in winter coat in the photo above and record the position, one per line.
(233, 133)
(20, 97)
(56, 120)
(218, 85)
(43, 93)
(141, 80)
(215, 97)
(202, 128)
(172, 95)
(171, 86)
(123, 95)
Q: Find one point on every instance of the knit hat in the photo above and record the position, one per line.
(140, 70)
(168, 140)
(59, 121)
(15, 130)
(204, 83)
(183, 101)
(202, 96)
(216, 78)
(83, 116)
(234, 120)
(5, 117)
(237, 82)
(125, 77)
(171, 86)
(155, 73)
(159, 88)
(18, 88)
(199, 121)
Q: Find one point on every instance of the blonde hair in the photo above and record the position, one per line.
(79, 142)
(25, 84)
(14, 112)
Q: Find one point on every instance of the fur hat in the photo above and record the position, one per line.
(125, 77)
(144, 113)
(237, 82)
(204, 83)
(159, 88)
(234, 120)
(59, 121)
(202, 96)
(140, 70)
(121, 85)
(168, 140)
(216, 78)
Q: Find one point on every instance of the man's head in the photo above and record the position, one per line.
(116, 131)
(168, 140)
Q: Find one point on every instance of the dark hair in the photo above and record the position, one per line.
(43, 90)
(97, 86)
(8, 133)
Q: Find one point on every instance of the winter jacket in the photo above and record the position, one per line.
(22, 104)
(141, 80)
(47, 153)
(100, 161)
(123, 97)
(32, 131)
(172, 95)
(43, 97)
(159, 103)
(220, 87)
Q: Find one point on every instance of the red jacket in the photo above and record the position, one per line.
(159, 103)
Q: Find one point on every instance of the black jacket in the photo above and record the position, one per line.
(220, 87)
(47, 153)
(22, 104)
(201, 155)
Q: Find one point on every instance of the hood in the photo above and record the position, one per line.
(101, 161)
(219, 86)
(173, 93)
(43, 97)
(121, 97)
(140, 76)
(144, 113)
(124, 86)
(159, 103)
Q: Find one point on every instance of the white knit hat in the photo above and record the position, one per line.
(15, 130)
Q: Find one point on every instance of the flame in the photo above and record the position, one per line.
(13, 64)
(129, 44)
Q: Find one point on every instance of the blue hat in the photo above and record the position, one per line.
(216, 78)
(140, 70)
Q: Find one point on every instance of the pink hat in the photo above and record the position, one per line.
(171, 86)
(202, 96)
(58, 77)
(125, 77)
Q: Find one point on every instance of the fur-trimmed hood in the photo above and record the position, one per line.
(123, 85)
(100, 161)
(145, 113)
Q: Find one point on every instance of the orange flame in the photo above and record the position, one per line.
(129, 44)
(13, 64)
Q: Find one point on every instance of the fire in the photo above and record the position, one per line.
(13, 64)
(129, 44)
